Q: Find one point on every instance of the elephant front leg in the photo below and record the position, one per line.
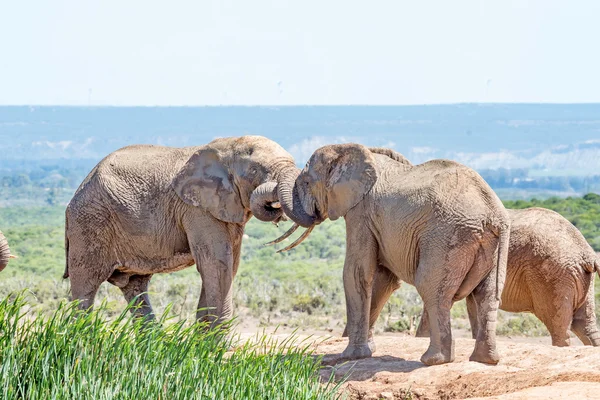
(359, 269)
(215, 305)
(217, 269)
(385, 284)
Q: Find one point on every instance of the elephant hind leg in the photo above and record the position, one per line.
(85, 284)
(439, 275)
(584, 320)
(556, 320)
(136, 291)
(423, 328)
(482, 302)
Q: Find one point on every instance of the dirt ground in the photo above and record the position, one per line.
(530, 368)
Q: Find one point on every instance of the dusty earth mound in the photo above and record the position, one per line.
(526, 371)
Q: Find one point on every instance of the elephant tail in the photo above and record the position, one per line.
(503, 243)
(66, 274)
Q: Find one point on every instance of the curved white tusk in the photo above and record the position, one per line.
(275, 204)
(13, 256)
(298, 241)
(284, 236)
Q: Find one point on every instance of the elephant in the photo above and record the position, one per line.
(5, 254)
(437, 226)
(550, 273)
(147, 209)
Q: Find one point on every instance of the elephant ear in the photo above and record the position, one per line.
(352, 175)
(204, 181)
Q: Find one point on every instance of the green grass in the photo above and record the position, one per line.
(70, 355)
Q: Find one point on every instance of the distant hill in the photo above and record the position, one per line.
(541, 141)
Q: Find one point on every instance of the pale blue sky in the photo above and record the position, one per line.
(279, 52)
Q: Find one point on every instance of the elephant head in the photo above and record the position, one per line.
(233, 178)
(335, 179)
(4, 252)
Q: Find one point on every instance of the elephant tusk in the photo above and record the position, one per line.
(13, 256)
(275, 204)
(298, 241)
(284, 236)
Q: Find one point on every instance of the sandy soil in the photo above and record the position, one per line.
(529, 369)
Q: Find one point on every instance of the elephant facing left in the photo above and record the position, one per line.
(148, 209)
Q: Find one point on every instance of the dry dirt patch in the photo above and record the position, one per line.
(526, 370)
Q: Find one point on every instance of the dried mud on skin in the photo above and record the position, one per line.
(526, 371)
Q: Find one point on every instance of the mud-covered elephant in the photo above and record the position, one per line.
(5, 254)
(437, 226)
(148, 209)
(550, 273)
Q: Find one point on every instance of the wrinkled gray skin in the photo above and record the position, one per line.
(5, 255)
(437, 226)
(550, 273)
(150, 209)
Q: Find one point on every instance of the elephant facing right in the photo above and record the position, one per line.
(550, 273)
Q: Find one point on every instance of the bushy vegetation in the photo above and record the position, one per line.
(299, 289)
(68, 355)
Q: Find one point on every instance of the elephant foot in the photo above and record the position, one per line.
(434, 356)
(485, 354)
(371, 342)
(356, 351)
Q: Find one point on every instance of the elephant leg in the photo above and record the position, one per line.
(584, 320)
(472, 312)
(423, 328)
(85, 283)
(136, 291)
(385, 284)
(439, 275)
(487, 305)
(359, 271)
(217, 258)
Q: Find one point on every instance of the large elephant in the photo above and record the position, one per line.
(5, 254)
(149, 209)
(437, 226)
(550, 273)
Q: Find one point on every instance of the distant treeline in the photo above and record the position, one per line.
(67, 174)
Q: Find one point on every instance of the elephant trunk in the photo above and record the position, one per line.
(290, 200)
(264, 202)
(4, 252)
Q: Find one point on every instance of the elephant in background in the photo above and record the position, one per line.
(5, 254)
(148, 209)
(550, 273)
(437, 226)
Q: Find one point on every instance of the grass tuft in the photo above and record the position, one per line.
(68, 354)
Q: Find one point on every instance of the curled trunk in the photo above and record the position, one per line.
(4, 252)
(264, 202)
(290, 201)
